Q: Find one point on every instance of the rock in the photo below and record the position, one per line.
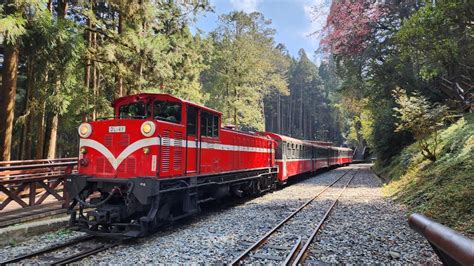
(394, 255)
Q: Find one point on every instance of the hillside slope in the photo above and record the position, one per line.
(442, 190)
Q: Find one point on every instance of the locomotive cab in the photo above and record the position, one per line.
(127, 145)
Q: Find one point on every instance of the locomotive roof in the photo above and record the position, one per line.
(165, 96)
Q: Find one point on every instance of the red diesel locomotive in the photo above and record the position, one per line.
(161, 156)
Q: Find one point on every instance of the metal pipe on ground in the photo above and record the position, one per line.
(451, 247)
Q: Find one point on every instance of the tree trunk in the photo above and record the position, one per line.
(53, 137)
(301, 113)
(29, 140)
(87, 70)
(53, 126)
(49, 6)
(41, 133)
(25, 142)
(7, 99)
(118, 77)
(290, 116)
(94, 78)
(62, 8)
(278, 129)
(235, 109)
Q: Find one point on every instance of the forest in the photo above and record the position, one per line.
(65, 61)
(404, 75)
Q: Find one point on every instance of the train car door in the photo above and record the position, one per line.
(272, 153)
(192, 140)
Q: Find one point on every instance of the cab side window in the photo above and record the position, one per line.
(209, 125)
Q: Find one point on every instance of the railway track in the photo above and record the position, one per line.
(47, 255)
(273, 244)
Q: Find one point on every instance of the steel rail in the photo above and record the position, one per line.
(303, 251)
(293, 251)
(86, 253)
(263, 239)
(47, 250)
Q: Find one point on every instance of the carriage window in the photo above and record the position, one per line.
(134, 110)
(167, 111)
(209, 125)
(191, 126)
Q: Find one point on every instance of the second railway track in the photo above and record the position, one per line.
(65, 253)
(288, 241)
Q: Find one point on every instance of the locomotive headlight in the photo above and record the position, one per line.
(83, 150)
(148, 129)
(146, 150)
(85, 130)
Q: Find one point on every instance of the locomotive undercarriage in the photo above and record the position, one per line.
(134, 207)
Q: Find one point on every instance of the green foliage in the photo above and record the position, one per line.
(422, 118)
(12, 26)
(410, 46)
(438, 38)
(441, 189)
(361, 126)
(14, 15)
(242, 69)
(305, 110)
(147, 46)
(154, 50)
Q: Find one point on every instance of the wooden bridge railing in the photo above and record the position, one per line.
(30, 183)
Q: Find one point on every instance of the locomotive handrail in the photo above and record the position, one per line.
(451, 247)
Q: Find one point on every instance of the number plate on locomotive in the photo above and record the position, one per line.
(117, 129)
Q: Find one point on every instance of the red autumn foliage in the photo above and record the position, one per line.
(350, 26)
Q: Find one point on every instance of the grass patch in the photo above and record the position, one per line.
(442, 190)
(59, 233)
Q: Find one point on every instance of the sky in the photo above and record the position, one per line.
(293, 20)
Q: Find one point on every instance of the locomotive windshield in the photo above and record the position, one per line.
(135, 110)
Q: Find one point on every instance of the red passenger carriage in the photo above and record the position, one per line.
(296, 157)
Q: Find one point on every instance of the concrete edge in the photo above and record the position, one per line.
(22, 231)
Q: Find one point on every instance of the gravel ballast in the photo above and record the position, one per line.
(365, 228)
(372, 229)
